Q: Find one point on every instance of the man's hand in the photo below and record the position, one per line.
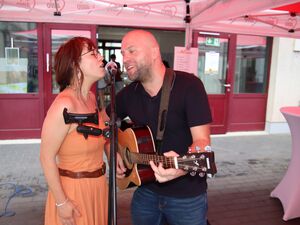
(163, 175)
(121, 169)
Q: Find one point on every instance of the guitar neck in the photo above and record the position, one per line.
(144, 159)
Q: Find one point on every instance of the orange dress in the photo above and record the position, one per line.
(89, 194)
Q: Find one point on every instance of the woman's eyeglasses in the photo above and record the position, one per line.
(95, 52)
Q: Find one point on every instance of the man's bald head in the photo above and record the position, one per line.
(142, 37)
(141, 55)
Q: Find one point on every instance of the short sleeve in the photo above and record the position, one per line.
(196, 104)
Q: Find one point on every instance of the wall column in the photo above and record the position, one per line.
(284, 85)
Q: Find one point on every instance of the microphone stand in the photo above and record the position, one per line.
(112, 210)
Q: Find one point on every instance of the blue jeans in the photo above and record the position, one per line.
(148, 208)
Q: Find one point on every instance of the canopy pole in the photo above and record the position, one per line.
(187, 19)
(188, 36)
(56, 13)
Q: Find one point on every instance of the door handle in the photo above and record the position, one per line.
(47, 63)
(227, 87)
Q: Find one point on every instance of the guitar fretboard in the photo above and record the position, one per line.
(168, 162)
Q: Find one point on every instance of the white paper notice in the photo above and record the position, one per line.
(212, 63)
(186, 60)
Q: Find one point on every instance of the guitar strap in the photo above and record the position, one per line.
(167, 86)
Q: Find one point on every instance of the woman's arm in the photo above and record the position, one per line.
(53, 133)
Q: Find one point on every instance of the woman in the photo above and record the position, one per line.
(72, 162)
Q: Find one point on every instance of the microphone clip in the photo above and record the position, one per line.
(80, 118)
(85, 118)
(88, 130)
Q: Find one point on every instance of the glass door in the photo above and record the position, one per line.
(213, 70)
(56, 35)
(212, 64)
(248, 102)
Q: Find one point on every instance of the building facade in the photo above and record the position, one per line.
(247, 77)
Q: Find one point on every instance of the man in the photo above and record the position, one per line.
(175, 197)
(114, 67)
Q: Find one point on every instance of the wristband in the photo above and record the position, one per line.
(61, 204)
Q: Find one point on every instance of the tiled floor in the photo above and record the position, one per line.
(228, 207)
(249, 168)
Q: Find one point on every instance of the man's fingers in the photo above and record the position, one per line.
(170, 154)
(153, 166)
(120, 163)
(121, 169)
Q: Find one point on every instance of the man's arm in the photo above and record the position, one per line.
(201, 138)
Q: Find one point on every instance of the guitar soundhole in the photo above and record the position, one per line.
(127, 162)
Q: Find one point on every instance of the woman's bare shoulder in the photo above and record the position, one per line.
(62, 101)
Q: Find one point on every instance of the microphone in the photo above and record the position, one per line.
(111, 67)
(86, 131)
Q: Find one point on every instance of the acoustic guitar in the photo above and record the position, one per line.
(137, 149)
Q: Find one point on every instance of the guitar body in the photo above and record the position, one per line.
(137, 149)
(136, 139)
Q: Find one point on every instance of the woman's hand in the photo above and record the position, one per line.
(163, 175)
(67, 213)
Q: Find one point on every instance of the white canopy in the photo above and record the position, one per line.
(235, 16)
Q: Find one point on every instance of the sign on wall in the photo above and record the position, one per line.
(186, 59)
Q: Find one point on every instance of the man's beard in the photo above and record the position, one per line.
(142, 74)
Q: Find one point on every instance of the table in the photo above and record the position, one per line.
(288, 190)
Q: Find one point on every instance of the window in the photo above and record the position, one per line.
(18, 58)
(251, 64)
(212, 63)
(108, 47)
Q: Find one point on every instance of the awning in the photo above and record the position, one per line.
(257, 17)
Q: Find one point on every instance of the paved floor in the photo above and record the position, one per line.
(249, 167)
